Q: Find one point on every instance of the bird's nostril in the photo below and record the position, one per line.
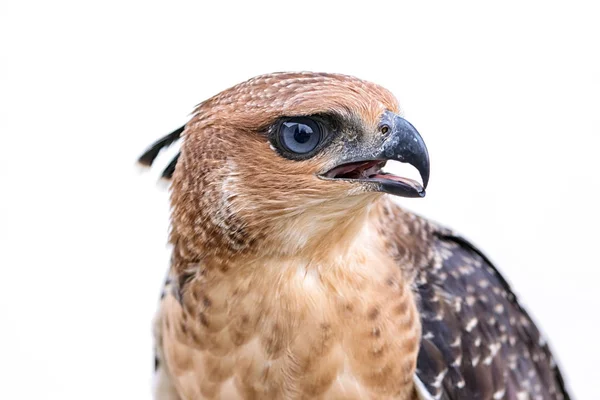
(384, 129)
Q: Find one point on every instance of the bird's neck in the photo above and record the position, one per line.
(309, 231)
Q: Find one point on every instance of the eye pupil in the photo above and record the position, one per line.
(300, 135)
(303, 133)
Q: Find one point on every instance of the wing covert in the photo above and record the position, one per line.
(478, 342)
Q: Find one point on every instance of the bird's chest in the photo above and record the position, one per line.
(298, 331)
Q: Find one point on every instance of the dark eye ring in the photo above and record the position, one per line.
(300, 135)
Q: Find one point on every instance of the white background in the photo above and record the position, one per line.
(506, 97)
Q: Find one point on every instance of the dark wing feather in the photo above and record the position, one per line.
(478, 342)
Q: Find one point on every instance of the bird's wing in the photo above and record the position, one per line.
(164, 384)
(478, 342)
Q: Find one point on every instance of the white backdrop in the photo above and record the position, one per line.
(506, 98)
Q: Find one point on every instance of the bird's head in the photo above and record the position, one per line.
(289, 161)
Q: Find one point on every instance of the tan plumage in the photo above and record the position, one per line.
(283, 284)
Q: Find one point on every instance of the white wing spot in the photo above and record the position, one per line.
(457, 361)
(457, 306)
(428, 335)
(471, 324)
(494, 348)
(439, 378)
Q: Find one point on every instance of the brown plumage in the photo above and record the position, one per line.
(293, 276)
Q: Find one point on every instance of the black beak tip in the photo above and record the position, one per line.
(425, 178)
(424, 167)
(402, 189)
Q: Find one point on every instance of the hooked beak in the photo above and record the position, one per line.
(401, 142)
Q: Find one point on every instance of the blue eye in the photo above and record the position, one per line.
(300, 135)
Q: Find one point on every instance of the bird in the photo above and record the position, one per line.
(295, 273)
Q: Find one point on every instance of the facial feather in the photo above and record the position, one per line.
(231, 190)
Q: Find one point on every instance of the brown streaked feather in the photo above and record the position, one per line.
(332, 332)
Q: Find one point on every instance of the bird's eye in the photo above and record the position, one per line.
(300, 135)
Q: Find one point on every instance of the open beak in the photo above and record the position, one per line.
(401, 143)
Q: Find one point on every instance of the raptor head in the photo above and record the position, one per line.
(293, 157)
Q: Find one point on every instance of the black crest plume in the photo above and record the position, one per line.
(150, 155)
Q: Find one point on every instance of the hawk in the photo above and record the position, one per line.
(295, 276)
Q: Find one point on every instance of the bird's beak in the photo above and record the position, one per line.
(399, 141)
